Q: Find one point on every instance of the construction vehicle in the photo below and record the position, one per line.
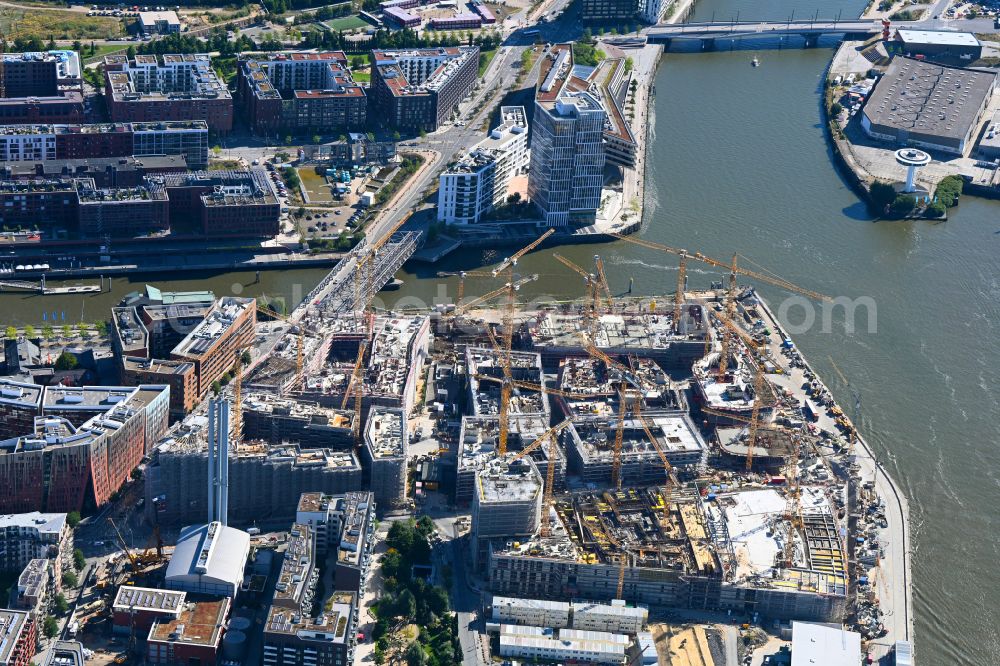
(128, 553)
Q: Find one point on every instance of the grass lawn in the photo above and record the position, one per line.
(362, 75)
(58, 24)
(485, 58)
(347, 23)
(100, 51)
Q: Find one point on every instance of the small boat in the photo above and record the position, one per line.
(393, 286)
(755, 62)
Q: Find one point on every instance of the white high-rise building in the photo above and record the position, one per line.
(567, 146)
(472, 187)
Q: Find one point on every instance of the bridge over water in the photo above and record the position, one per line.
(810, 30)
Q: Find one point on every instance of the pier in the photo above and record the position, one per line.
(39, 287)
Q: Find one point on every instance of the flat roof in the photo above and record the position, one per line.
(12, 623)
(928, 99)
(47, 523)
(149, 599)
(823, 644)
(943, 37)
(200, 623)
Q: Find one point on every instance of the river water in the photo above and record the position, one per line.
(738, 162)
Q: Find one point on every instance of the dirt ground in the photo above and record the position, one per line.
(680, 646)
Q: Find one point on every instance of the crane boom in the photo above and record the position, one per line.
(511, 261)
(128, 553)
(551, 432)
(599, 264)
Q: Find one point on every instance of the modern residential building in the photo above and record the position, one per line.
(651, 11)
(476, 183)
(293, 634)
(39, 580)
(917, 103)
(121, 212)
(195, 637)
(567, 146)
(178, 87)
(66, 653)
(384, 456)
(357, 150)
(418, 89)
(213, 346)
(29, 536)
(41, 87)
(565, 645)
(208, 559)
(34, 143)
(58, 466)
(20, 637)
(105, 172)
(341, 525)
(299, 92)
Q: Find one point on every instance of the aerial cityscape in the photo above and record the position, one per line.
(499, 332)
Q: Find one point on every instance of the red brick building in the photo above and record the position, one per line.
(20, 638)
(192, 639)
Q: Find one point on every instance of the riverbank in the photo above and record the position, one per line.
(894, 578)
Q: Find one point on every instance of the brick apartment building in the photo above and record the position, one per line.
(38, 143)
(56, 466)
(299, 92)
(225, 203)
(213, 346)
(43, 87)
(418, 89)
(20, 638)
(178, 88)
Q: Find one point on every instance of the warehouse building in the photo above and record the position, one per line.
(943, 45)
(917, 103)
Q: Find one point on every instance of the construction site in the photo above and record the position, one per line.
(670, 453)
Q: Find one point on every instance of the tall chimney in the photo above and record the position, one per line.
(218, 461)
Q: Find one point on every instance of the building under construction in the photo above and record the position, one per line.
(585, 377)
(506, 505)
(477, 445)
(384, 455)
(485, 372)
(590, 444)
(265, 480)
(557, 335)
(274, 420)
(722, 550)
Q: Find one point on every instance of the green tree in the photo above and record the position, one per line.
(936, 210)
(11, 333)
(316, 138)
(60, 603)
(79, 561)
(29, 332)
(216, 387)
(216, 151)
(949, 190)
(882, 195)
(288, 139)
(66, 361)
(77, 46)
(245, 357)
(73, 519)
(50, 627)
(102, 328)
(415, 655)
(396, 136)
(130, 52)
(378, 656)
(903, 205)
(47, 331)
(67, 330)
(69, 579)
(83, 327)
(836, 109)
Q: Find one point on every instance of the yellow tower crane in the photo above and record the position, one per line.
(553, 455)
(599, 265)
(734, 270)
(793, 509)
(593, 296)
(461, 280)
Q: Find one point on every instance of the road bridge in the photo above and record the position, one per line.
(810, 31)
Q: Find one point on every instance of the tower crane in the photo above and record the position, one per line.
(594, 293)
(852, 425)
(461, 280)
(734, 270)
(793, 509)
(237, 431)
(511, 287)
(550, 472)
(300, 353)
(667, 469)
(599, 265)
